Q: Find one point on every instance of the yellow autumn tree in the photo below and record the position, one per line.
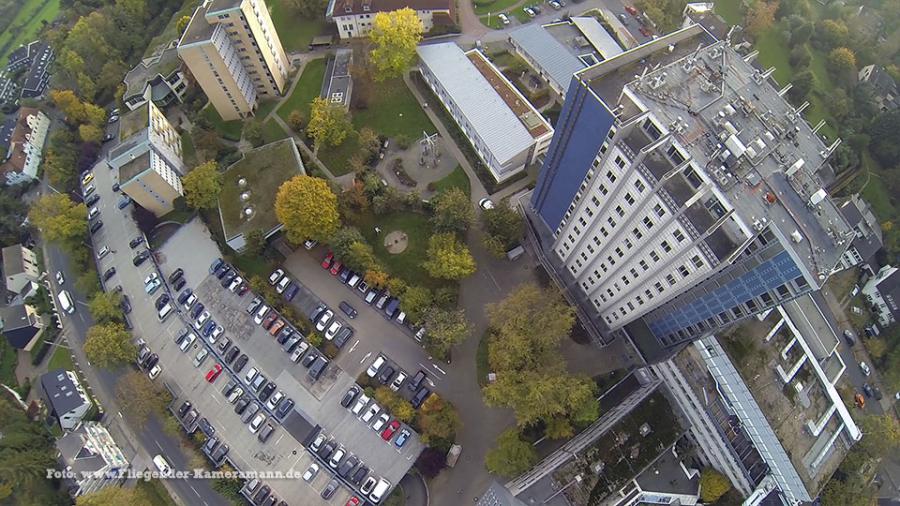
(307, 208)
(329, 124)
(395, 36)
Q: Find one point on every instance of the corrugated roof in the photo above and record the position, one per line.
(549, 53)
(598, 37)
(496, 125)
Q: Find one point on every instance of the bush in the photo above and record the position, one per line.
(800, 57)
(330, 350)
(430, 462)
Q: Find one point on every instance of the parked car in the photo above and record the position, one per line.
(282, 285)
(183, 296)
(389, 431)
(351, 394)
(241, 362)
(333, 330)
(112, 272)
(291, 292)
(269, 320)
(275, 277)
(214, 373)
(343, 336)
(385, 375)
(311, 472)
(419, 397)
(284, 408)
(330, 489)
(382, 420)
(401, 377)
(416, 381)
(140, 258)
(179, 272)
(402, 438)
(865, 368)
(503, 18)
(336, 268)
(274, 400)
(324, 320)
(360, 404)
(375, 367)
(327, 261)
(348, 310)
(137, 241)
(298, 352)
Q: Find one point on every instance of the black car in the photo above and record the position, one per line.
(214, 266)
(140, 257)
(267, 391)
(227, 278)
(152, 360)
(183, 296)
(206, 427)
(291, 291)
(309, 359)
(315, 313)
(387, 372)
(343, 336)
(197, 309)
(210, 444)
(232, 353)
(115, 187)
(284, 334)
(185, 406)
(416, 381)
(347, 466)
(126, 304)
(420, 397)
(284, 407)
(137, 241)
(345, 274)
(109, 273)
(241, 405)
(229, 387)
(179, 272)
(318, 368)
(92, 200)
(161, 301)
(348, 310)
(220, 453)
(240, 363)
(359, 475)
(222, 270)
(327, 449)
(179, 284)
(330, 489)
(349, 396)
(262, 494)
(97, 225)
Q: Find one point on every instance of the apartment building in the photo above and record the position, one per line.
(157, 77)
(234, 53)
(20, 268)
(681, 194)
(93, 457)
(353, 18)
(148, 159)
(23, 139)
(868, 238)
(65, 397)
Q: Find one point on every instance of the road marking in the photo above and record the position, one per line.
(159, 445)
(366, 357)
(279, 439)
(195, 491)
(354, 346)
(439, 369)
(217, 400)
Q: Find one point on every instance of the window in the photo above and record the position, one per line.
(620, 162)
(670, 279)
(571, 239)
(602, 267)
(611, 260)
(625, 280)
(640, 300)
(603, 148)
(583, 222)
(590, 249)
(658, 209)
(611, 176)
(649, 294)
(628, 244)
(679, 235)
(612, 222)
(577, 230)
(633, 272)
(629, 199)
(639, 185)
(620, 252)
(602, 189)
(630, 306)
(683, 271)
(620, 211)
(697, 261)
(643, 264)
(589, 211)
(648, 222)
(637, 233)
(604, 232)
(654, 256)
(665, 246)
(659, 287)
(583, 256)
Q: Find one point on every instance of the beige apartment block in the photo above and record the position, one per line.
(233, 51)
(151, 182)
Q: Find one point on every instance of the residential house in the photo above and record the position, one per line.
(24, 145)
(65, 397)
(354, 18)
(36, 58)
(92, 457)
(21, 325)
(884, 88)
(20, 267)
(883, 293)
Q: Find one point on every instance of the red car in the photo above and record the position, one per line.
(336, 268)
(214, 373)
(326, 263)
(243, 289)
(390, 430)
(631, 10)
(645, 31)
(352, 502)
(269, 320)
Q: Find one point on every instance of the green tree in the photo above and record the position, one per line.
(448, 258)
(398, 406)
(394, 37)
(885, 138)
(512, 456)
(713, 485)
(28, 450)
(253, 133)
(831, 33)
(446, 328)
(416, 300)
(343, 239)
(842, 61)
(108, 344)
(801, 86)
(203, 185)
(58, 218)
(182, 23)
(90, 133)
(360, 257)
(295, 120)
(881, 435)
(368, 142)
(550, 395)
(503, 228)
(139, 397)
(308, 209)
(329, 124)
(255, 243)
(437, 420)
(105, 307)
(453, 211)
(113, 496)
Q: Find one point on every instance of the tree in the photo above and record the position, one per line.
(343, 239)
(448, 258)
(376, 278)
(842, 61)
(308, 209)
(431, 461)
(801, 31)
(503, 228)
(108, 344)
(511, 456)
(309, 9)
(885, 138)
(713, 485)
(416, 300)
(329, 124)
(881, 435)
(760, 17)
(549, 395)
(58, 218)
(368, 141)
(446, 328)
(453, 211)
(28, 451)
(831, 33)
(800, 57)
(360, 257)
(203, 185)
(253, 133)
(255, 243)
(295, 120)
(112, 496)
(140, 397)
(398, 406)
(105, 307)
(801, 86)
(182, 23)
(70, 105)
(437, 419)
(394, 36)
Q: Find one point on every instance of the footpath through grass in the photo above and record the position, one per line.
(30, 20)
(308, 88)
(406, 265)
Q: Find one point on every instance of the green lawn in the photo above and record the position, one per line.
(482, 362)
(170, 32)
(308, 88)
(457, 178)
(294, 31)
(876, 192)
(393, 111)
(483, 7)
(336, 159)
(272, 131)
(774, 52)
(155, 492)
(730, 10)
(230, 130)
(520, 15)
(265, 107)
(29, 17)
(406, 265)
(61, 359)
(188, 152)
(8, 361)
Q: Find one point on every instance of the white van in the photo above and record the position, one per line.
(380, 489)
(162, 465)
(65, 302)
(165, 312)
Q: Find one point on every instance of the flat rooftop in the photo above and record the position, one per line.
(198, 29)
(133, 122)
(162, 64)
(263, 170)
(134, 167)
(336, 88)
(752, 144)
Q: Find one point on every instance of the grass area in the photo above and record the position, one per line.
(188, 151)
(457, 179)
(336, 158)
(520, 15)
(170, 32)
(265, 169)
(295, 31)
(265, 107)
(272, 131)
(230, 130)
(875, 191)
(253, 265)
(8, 361)
(730, 10)
(61, 359)
(491, 21)
(482, 366)
(482, 7)
(774, 53)
(155, 492)
(177, 216)
(393, 111)
(30, 20)
(406, 265)
(307, 89)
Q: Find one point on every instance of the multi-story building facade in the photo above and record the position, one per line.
(148, 159)
(93, 457)
(234, 53)
(353, 18)
(157, 77)
(23, 139)
(681, 194)
(20, 268)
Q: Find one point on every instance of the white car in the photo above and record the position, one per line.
(198, 323)
(192, 298)
(360, 404)
(311, 472)
(200, 357)
(486, 203)
(103, 252)
(251, 375)
(383, 419)
(235, 283)
(274, 400)
(324, 319)
(188, 342)
(333, 330)
(376, 365)
(317, 443)
(865, 368)
(257, 423)
(93, 213)
(235, 394)
(154, 372)
(162, 465)
(310, 244)
(299, 351)
(218, 331)
(373, 410)
(152, 276)
(401, 377)
(337, 457)
(260, 314)
(59, 278)
(503, 18)
(285, 281)
(275, 276)
(152, 285)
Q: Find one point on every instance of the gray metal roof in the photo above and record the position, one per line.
(493, 121)
(61, 392)
(597, 36)
(556, 61)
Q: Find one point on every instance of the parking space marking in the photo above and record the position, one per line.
(217, 400)
(439, 369)
(366, 357)
(353, 347)
(278, 440)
